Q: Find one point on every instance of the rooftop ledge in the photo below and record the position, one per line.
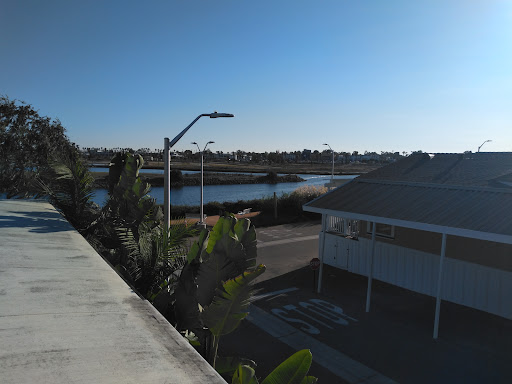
(66, 316)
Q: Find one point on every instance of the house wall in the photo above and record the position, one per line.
(466, 283)
(487, 253)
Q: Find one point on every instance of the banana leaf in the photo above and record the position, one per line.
(230, 304)
(228, 365)
(293, 370)
(244, 375)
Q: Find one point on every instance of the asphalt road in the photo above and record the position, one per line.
(391, 343)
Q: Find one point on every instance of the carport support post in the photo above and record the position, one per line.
(439, 284)
(370, 270)
(322, 248)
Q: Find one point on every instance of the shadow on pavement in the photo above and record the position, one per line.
(36, 221)
(394, 338)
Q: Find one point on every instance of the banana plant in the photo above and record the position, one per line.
(128, 194)
(293, 370)
(229, 307)
(213, 292)
(128, 205)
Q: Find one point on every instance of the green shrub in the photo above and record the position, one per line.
(272, 177)
(176, 176)
(214, 208)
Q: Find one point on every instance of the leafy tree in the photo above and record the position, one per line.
(28, 143)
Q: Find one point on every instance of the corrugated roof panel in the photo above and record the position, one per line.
(477, 169)
(476, 209)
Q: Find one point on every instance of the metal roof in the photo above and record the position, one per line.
(470, 169)
(470, 211)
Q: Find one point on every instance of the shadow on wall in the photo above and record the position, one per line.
(37, 221)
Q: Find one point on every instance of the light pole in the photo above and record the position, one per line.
(332, 173)
(167, 164)
(201, 222)
(486, 141)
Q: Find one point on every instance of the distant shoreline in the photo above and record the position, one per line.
(157, 179)
(238, 167)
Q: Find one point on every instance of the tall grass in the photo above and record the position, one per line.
(289, 204)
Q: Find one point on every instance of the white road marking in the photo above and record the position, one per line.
(336, 362)
(293, 308)
(274, 293)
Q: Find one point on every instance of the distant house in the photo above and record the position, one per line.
(326, 156)
(306, 154)
(438, 225)
(289, 156)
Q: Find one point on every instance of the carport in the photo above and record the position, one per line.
(472, 212)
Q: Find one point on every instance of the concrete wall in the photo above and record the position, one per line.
(67, 317)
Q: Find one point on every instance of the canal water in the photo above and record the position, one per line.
(232, 192)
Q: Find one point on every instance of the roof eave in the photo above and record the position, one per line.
(487, 236)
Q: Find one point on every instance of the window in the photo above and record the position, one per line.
(383, 230)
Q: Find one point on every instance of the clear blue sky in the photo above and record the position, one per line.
(359, 75)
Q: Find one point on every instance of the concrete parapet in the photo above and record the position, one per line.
(67, 317)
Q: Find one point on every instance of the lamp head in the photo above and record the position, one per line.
(216, 114)
(193, 143)
(210, 142)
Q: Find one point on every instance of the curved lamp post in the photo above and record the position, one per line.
(332, 173)
(486, 141)
(201, 222)
(167, 164)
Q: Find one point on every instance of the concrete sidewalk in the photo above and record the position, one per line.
(67, 317)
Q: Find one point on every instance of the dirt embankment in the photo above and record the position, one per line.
(157, 180)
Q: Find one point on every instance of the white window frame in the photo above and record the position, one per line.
(369, 231)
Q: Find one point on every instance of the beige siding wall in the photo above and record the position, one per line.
(487, 253)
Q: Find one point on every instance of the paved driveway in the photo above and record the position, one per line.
(285, 248)
(391, 343)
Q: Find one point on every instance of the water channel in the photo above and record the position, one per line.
(190, 195)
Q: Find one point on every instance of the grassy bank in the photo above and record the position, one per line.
(289, 168)
(289, 207)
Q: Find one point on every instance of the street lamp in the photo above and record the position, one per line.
(332, 173)
(167, 164)
(201, 222)
(486, 141)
